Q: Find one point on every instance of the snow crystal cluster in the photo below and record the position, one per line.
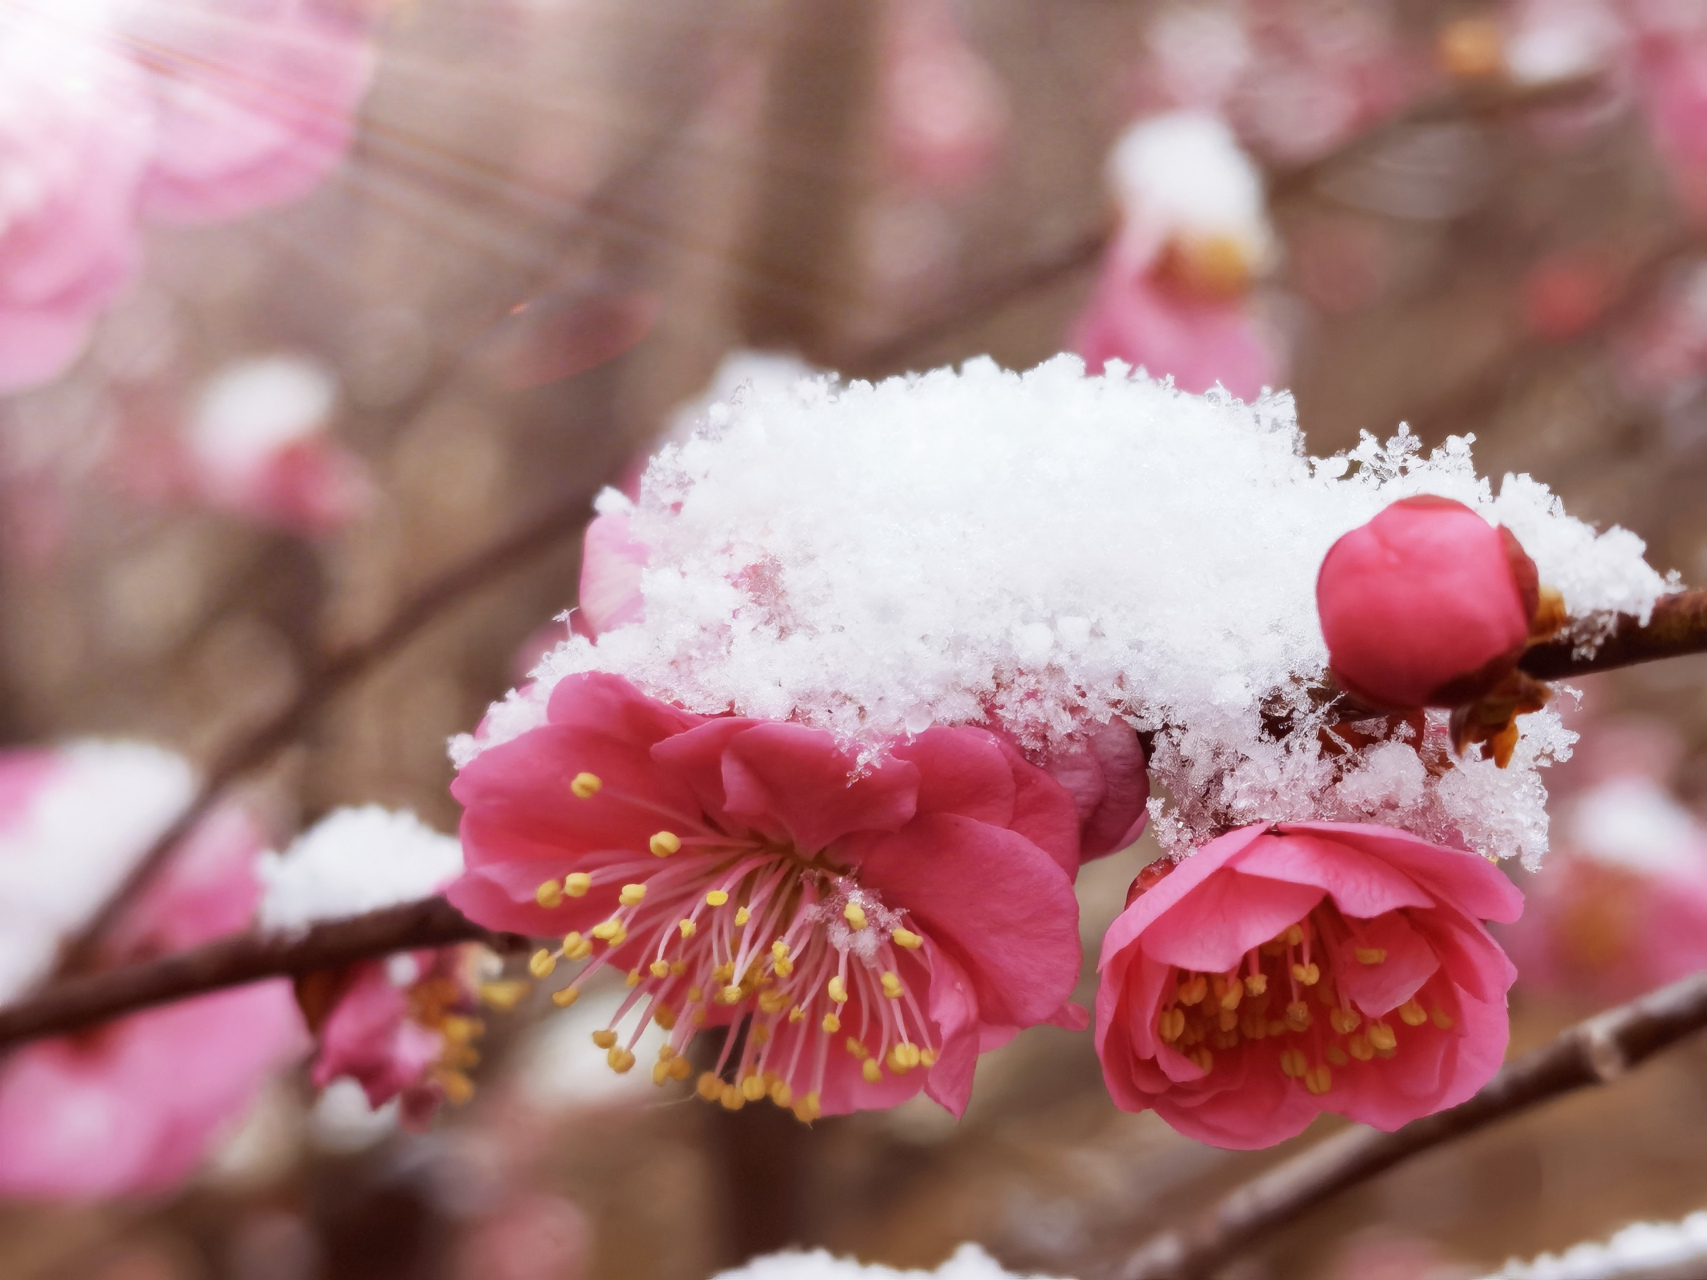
(1044, 551)
(968, 1263)
(352, 861)
(67, 842)
(1640, 1248)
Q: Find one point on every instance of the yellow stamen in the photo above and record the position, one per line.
(458, 1088)
(1345, 1021)
(1309, 974)
(695, 995)
(855, 916)
(1441, 1019)
(1359, 1048)
(576, 884)
(1226, 1020)
(660, 1073)
(1298, 1016)
(620, 1059)
(831, 1023)
(1204, 1059)
(460, 1030)
(632, 895)
(664, 1016)
(781, 1094)
(586, 785)
(1256, 984)
(858, 1049)
(605, 930)
(871, 1071)
(808, 1109)
(773, 1001)
(1381, 1036)
(506, 994)
(907, 1055)
(927, 1057)
(1318, 1080)
(1336, 1056)
(575, 947)
(838, 989)
(908, 939)
(660, 968)
(566, 997)
(753, 1088)
(1293, 1064)
(731, 994)
(549, 894)
(1193, 989)
(742, 915)
(541, 963)
(1294, 935)
(1371, 955)
(678, 968)
(708, 1085)
(716, 898)
(731, 1098)
(723, 972)
(892, 985)
(664, 844)
(1171, 1024)
(796, 1014)
(1413, 1014)
(604, 1039)
(680, 1068)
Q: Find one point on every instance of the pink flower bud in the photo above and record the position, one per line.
(1426, 605)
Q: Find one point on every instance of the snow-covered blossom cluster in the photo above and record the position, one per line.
(1045, 552)
(1640, 1248)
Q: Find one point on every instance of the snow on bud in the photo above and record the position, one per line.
(1426, 605)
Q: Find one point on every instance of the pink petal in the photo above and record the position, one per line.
(1361, 885)
(795, 783)
(1220, 920)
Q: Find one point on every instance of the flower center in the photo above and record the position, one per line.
(1268, 996)
(733, 929)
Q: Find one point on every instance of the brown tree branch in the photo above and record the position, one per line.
(1678, 626)
(76, 1003)
(1594, 1052)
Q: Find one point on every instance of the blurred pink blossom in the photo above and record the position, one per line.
(706, 855)
(611, 564)
(533, 1236)
(944, 112)
(1283, 970)
(132, 1106)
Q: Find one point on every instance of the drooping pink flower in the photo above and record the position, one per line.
(611, 564)
(75, 132)
(402, 1028)
(255, 100)
(1288, 969)
(1426, 605)
(750, 874)
(132, 1106)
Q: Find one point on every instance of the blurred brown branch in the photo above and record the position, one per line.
(75, 1003)
(1597, 1051)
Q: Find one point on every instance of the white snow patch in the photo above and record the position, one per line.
(1639, 1247)
(873, 559)
(77, 837)
(252, 408)
(353, 861)
(969, 1262)
(1184, 174)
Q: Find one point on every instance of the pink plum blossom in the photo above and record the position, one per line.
(611, 565)
(1426, 605)
(132, 1106)
(749, 873)
(75, 133)
(1105, 773)
(944, 111)
(402, 1028)
(1673, 83)
(1283, 970)
(254, 100)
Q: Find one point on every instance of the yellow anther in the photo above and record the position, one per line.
(773, 1001)
(854, 914)
(687, 927)
(605, 1038)
(927, 1057)
(1359, 1048)
(575, 947)
(723, 972)
(1228, 1039)
(781, 1094)
(1234, 993)
(566, 997)
(1309, 974)
(838, 989)
(458, 1088)
(1226, 1020)
(831, 1023)
(664, 844)
(1336, 1056)
(1294, 935)
(1170, 1024)
(460, 1030)
(796, 1014)
(1254, 1026)
(664, 1016)
(1298, 1016)
(1193, 989)
(620, 1059)
(605, 930)
(695, 995)
(908, 939)
(1371, 955)
(870, 1070)
(731, 1098)
(660, 1072)
(660, 968)
(632, 895)
(808, 1108)
(761, 1034)
(576, 884)
(678, 968)
(505, 994)
(909, 1055)
(1381, 1036)
(708, 1086)
(784, 968)
(731, 994)
(753, 1088)
(1203, 1058)
(1345, 1021)
(586, 785)
(742, 915)
(716, 898)
(1413, 1014)
(680, 1068)
(549, 894)
(541, 963)
(1441, 1018)
(666, 1052)
(1256, 984)
(1318, 1080)
(857, 1048)
(892, 985)
(779, 950)
(1293, 1063)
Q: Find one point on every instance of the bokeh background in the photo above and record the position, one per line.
(557, 220)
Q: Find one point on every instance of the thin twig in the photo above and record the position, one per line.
(1677, 626)
(1594, 1052)
(80, 1002)
(334, 674)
